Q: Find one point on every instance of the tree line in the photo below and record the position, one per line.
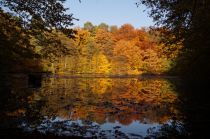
(104, 49)
(35, 36)
(91, 49)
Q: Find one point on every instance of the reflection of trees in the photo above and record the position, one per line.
(18, 101)
(99, 100)
(123, 100)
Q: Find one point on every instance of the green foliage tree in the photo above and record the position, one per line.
(103, 26)
(89, 26)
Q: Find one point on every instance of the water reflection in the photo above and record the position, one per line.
(95, 107)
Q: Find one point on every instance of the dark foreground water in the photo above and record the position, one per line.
(55, 107)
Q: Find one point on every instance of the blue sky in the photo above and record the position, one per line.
(112, 12)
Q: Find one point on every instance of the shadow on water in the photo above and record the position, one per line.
(43, 107)
(35, 80)
(195, 96)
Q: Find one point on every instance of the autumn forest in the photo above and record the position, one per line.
(109, 50)
(60, 81)
(101, 49)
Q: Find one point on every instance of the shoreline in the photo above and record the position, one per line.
(94, 75)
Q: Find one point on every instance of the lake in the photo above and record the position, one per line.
(135, 107)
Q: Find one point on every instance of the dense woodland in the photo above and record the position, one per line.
(36, 39)
(107, 49)
(92, 49)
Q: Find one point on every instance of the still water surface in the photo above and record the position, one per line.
(93, 107)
